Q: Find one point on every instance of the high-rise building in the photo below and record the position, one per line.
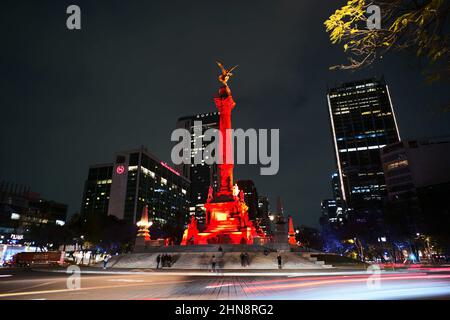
(335, 186)
(415, 164)
(201, 175)
(418, 183)
(333, 210)
(135, 179)
(250, 197)
(362, 122)
(264, 214)
(21, 210)
(97, 188)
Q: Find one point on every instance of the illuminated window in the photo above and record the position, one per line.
(15, 216)
(148, 172)
(397, 164)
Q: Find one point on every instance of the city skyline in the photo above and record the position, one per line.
(67, 110)
(221, 159)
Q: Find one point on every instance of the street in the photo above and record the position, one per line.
(43, 285)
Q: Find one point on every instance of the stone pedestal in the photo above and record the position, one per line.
(140, 244)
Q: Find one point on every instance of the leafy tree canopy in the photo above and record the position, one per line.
(417, 25)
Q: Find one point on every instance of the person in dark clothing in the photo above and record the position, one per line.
(220, 249)
(166, 260)
(158, 260)
(242, 260)
(169, 260)
(213, 263)
(279, 261)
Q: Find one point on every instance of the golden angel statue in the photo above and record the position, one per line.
(226, 74)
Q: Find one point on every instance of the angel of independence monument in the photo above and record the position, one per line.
(227, 219)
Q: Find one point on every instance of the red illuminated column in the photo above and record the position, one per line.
(225, 105)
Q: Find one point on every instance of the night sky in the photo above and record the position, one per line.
(69, 99)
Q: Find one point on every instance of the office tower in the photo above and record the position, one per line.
(97, 188)
(333, 210)
(335, 186)
(250, 197)
(418, 183)
(414, 165)
(201, 175)
(264, 214)
(137, 178)
(362, 122)
(21, 210)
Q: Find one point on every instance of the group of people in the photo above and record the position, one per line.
(245, 259)
(165, 260)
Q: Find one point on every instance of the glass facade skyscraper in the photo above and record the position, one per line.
(97, 189)
(138, 178)
(362, 122)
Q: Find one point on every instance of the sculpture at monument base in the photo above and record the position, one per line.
(143, 235)
(190, 235)
(291, 234)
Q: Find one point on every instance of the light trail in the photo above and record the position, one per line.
(322, 278)
(340, 281)
(26, 293)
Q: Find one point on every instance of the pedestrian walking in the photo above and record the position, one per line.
(242, 259)
(279, 261)
(247, 259)
(105, 261)
(158, 260)
(213, 263)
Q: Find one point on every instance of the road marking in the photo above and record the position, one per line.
(31, 287)
(5, 275)
(219, 286)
